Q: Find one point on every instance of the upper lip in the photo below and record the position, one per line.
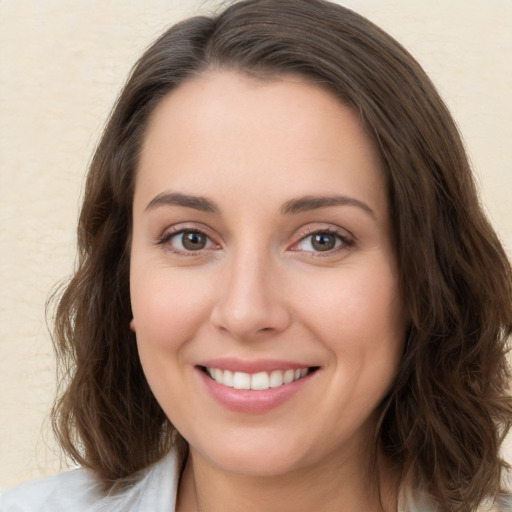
(252, 366)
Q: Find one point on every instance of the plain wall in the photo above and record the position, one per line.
(62, 63)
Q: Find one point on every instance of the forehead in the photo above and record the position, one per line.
(227, 130)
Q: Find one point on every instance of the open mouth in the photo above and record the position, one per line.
(256, 381)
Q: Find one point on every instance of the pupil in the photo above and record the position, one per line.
(323, 242)
(193, 241)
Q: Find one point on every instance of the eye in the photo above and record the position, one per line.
(186, 240)
(323, 241)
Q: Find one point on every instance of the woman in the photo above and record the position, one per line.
(288, 296)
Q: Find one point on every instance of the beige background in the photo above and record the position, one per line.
(62, 63)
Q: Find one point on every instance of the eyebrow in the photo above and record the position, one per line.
(294, 206)
(308, 203)
(186, 200)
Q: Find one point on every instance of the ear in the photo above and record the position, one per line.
(132, 325)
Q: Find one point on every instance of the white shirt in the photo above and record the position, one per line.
(79, 491)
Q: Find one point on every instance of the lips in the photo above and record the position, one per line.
(253, 386)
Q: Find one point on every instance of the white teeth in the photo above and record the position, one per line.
(260, 380)
(227, 379)
(241, 380)
(256, 381)
(288, 376)
(276, 379)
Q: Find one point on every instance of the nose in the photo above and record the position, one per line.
(251, 303)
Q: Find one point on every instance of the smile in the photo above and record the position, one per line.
(254, 387)
(257, 381)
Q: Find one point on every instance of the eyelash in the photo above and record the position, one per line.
(169, 235)
(346, 241)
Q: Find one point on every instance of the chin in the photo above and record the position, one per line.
(254, 459)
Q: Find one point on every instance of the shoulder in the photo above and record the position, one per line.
(71, 490)
(79, 490)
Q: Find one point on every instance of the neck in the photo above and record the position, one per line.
(334, 486)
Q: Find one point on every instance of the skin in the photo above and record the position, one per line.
(260, 289)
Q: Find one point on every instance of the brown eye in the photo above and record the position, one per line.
(193, 241)
(323, 241)
(188, 241)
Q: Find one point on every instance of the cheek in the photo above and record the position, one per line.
(358, 309)
(357, 315)
(168, 308)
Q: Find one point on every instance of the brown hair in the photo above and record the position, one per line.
(449, 409)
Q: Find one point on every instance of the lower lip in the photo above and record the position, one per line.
(253, 401)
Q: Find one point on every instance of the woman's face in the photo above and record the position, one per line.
(261, 254)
